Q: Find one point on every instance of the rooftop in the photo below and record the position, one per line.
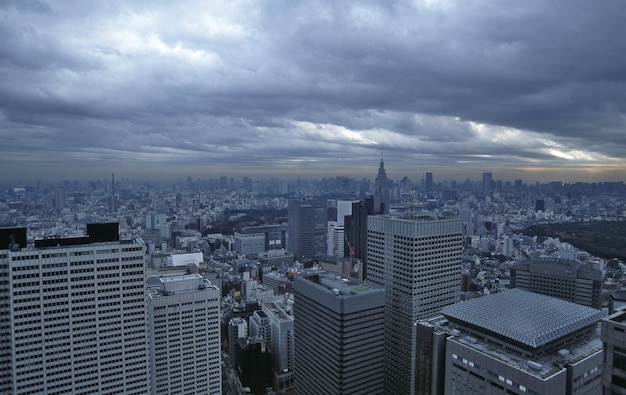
(343, 285)
(525, 317)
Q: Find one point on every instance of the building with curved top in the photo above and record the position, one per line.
(562, 278)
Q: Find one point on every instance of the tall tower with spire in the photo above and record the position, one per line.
(381, 186)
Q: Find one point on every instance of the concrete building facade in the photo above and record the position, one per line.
(281, 344)
(614, 343)
(74, 316)
(184, 336)
(339, 328)
(418, 262)
(307, 228)
(512, 342)
(561, 278)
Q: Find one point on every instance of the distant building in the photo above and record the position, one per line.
(381, 187)
(428, 181)
(184, 322)
(487, 183)
(418, 262)
(59, 197)
(274, 236)
(157, 222)
(614, 341)
(339, 329)
(73, 320)
(355, 228)
(307, 228)
(561, 278)
(250, 245)
(512, 342)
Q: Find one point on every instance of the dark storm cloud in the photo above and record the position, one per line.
(483, 84)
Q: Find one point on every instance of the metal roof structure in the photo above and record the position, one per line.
(526, 317)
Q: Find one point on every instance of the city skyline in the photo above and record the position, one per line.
(525, 91)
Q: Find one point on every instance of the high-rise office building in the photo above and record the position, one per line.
(344, 208)
(561, 278)
(428, 181)
(77, 314)
(487, 182)
(281, 344)
(59, 197)
(418, 262)
(339, 329)
(307, 228)
(184, 336)
(381, 187)
(355, 229)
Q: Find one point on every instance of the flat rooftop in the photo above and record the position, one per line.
(344, 285)
(525, 317)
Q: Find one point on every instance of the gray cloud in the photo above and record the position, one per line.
(261, 87)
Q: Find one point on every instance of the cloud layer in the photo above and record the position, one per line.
(305, 87)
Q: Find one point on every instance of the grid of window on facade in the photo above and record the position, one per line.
(79, 320)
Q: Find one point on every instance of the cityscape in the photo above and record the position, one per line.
(309, 286)
(402, 197)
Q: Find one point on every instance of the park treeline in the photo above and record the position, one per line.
(605, 239)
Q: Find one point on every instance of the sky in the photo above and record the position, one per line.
(523, 89)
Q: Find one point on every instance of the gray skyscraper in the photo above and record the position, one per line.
(77, 314)
(381, 186)
(418, 262)
(487, 182)
(59, 197)
(307, 228)
(428, 181)
(339, 329)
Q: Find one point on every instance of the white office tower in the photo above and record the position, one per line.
(418, 262)
(184, 332)
(74, 315)
(344, 208)
(280, 344)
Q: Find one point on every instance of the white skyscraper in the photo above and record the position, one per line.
(280, 344)
(76, 316)
(418, 262)
(344, 207)
(185, 356)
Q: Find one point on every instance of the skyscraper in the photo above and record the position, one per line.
(381, 186)
(307, 228)
(428, 181)
(281, 344)
(356, 227)
(185, 354)
(59, 197)
(78, 316)
(339, 329)
(418, 262)
(487, 182)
